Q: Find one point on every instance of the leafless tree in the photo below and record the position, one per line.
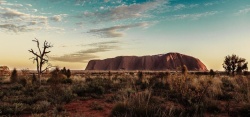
(41, 58)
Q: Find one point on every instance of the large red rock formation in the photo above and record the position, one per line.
(169, 61)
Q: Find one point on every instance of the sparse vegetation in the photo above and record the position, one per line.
(163, 94)
(234, 64)
(14, 76)
(41, 57)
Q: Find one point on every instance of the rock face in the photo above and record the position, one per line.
(169, 61)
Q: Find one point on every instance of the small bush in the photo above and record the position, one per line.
(16, 87)
(244, 111)
(14, 76)
(138, 105)
(67, 81)
(96, 106)
(41, 107)
(34, 79)
(1, 94)
(23, 81)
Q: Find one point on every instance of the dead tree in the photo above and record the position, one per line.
(41, 58)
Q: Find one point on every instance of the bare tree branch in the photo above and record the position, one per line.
(41, 58)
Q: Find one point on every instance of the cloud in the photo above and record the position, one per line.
(14, 28)
(30, 5)
(85, 55)
(194, 16)
(179, 7)
(116, 31)
(76, 57)
(58, 18)
(209, 4)
(183, 6)
(103, 43)
(243, 11)
(2, 1)
(15, 21)
(11, 14)
(122, 12)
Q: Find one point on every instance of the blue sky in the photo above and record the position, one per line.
(81, 30)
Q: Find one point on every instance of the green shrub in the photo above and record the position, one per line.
(80, 89)
(67, 95)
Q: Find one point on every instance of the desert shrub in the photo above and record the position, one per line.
(80, 89)
(58, 108)
(60, 94)
(244, 111)
(68, 73)
(67, 81)
(14, 76)
(56, 77)
(6, 109)
(212, 107)
(34, 79)
(138, 105)
(16, 87)
(22, 81)
(96, 106)
(19, 108)
(184, 70)
(12, 109)
(68, 95)
(96, 89)
(31, 90)
(140, 75)
(227, 84)
(1, 94)
(30, 100)
(41, 107)
(212, 73)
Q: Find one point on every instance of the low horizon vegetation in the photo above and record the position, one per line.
(138, 94)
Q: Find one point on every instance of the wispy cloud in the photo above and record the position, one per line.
(116, 31)
(16, 21)
(179, 6)
(13, 20)
(85, 55)
(195, 16)
(122, 12)
(58, 18)
(183, 6)
(2, 1)
(243, 11)
(209, 4)
(14, 28)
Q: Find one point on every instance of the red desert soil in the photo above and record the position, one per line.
(84, 108)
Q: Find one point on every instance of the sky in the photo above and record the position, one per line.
(82, 30)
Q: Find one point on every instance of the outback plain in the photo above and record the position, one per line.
(124, 94)
(124, 58)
